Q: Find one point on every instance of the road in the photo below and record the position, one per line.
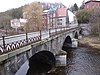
(10, 39)
(45, 34)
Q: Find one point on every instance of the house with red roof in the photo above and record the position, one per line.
(92, 4)
(60, 17)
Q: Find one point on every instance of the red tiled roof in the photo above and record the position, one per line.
(61, 12)
(92, 1)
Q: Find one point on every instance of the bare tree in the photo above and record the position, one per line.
(33, 14)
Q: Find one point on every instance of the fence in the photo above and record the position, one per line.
(4, 48)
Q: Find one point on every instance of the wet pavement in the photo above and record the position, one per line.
(80, 61)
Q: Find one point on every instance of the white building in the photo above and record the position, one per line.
(15, 23)
(72, 19)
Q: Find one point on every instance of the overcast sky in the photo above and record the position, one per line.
(8, 4)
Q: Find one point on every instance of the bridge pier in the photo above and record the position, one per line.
(74, 43)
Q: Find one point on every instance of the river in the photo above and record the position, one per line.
(80, 61)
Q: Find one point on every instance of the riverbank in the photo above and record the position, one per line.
(90, 41)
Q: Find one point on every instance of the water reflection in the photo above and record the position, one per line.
(61, 70)
(80, 61)
(83, 61)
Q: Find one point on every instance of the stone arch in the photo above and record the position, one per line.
(67, 42)
(76, 35)
(80, 31)
(42, 61)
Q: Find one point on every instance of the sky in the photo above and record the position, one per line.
(9, 4)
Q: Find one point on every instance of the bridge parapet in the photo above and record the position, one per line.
(21, 43)
(18, 44)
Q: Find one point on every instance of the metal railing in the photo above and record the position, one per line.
(4, 48)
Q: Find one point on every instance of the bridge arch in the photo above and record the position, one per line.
(76, 35)
(80, 32)
(42, 61)
(67, 43)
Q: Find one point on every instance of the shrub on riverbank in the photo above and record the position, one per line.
(90, 41)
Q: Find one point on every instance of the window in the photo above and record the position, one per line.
(87, 6)
(59, 19)
(59, 23)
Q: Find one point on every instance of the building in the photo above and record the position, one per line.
(49, 17)
(55, 17)
(45, 20)
(15, 23)
(52, 19)
(72, 19)
(92, 4)
(61, 15)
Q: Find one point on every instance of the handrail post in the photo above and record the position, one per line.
(3, 38)
(56, 30)
(40, 35)
(49, 33)
(26, 37)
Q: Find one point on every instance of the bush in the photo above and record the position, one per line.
(83, 16)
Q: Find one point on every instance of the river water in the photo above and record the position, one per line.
(80, 61)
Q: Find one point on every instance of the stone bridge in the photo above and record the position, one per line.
(39, 50)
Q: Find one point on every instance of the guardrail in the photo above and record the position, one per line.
(21, 43)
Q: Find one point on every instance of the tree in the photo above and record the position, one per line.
(95, 21)
(5, 23)
(6, 16)
(17, 13)
(33, 14)
(75, 7)
(92, 17)
(83, 5)
(83, 16)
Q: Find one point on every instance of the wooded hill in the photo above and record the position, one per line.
(6, 16)
(17, 13)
